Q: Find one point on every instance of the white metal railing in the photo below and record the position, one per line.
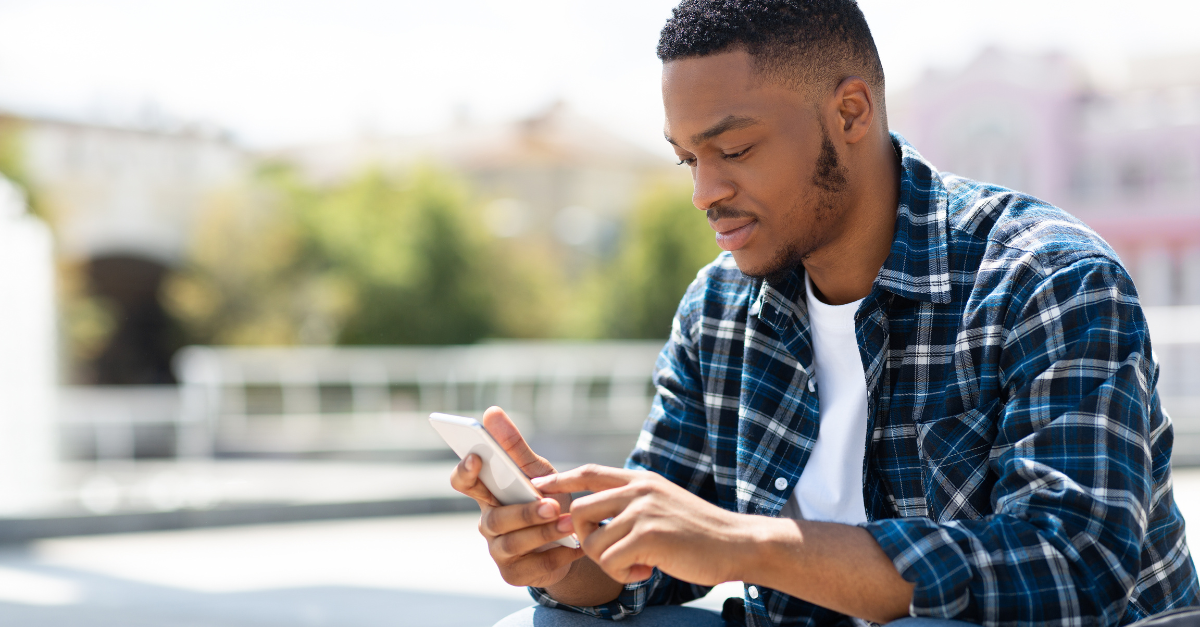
(263, 400)
(293, 400)
(106, 422)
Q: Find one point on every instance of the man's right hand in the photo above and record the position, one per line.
(514, 533)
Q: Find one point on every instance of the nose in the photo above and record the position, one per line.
(710, 186)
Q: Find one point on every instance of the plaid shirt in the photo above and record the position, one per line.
(1017, 458)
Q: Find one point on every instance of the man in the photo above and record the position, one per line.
(899, 393)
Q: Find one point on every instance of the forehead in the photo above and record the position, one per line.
(699, 92)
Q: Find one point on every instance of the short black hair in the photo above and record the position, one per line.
(801, 43)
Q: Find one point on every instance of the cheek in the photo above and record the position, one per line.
(783, 182)
(780, 199)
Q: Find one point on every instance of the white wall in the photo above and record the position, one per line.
(28, 451)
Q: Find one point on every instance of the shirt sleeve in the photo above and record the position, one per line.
(1072, 460)
(659, 589)
(672, 443)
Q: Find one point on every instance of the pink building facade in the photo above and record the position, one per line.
(1126, 162)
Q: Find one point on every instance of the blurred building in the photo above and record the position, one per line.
(1126, 161)
(122, 202)
(553, 175)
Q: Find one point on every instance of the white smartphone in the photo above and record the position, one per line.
(500, 474)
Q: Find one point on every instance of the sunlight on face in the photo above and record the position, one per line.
(764, 169)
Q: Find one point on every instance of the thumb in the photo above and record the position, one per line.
(502, 429)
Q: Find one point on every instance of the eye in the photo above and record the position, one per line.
(738, 154)
(686, 161)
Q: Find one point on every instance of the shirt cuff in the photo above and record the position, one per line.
(927, 556)
(632, 600)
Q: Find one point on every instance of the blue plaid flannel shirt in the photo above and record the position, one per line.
(1017, 457)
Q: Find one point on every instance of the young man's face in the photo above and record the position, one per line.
(763, 166)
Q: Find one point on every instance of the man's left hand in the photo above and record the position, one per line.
(655, 523)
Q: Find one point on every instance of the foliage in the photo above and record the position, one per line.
(666, 242)
(247, 280)
(533, 297)
(407, 247)
(12, 163)
(391, 257)
(379, 259)
(398, 258)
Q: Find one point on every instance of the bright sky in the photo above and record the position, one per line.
(279, 72)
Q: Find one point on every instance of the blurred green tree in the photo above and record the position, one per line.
(400, 258)
(532, 295)
(666, 241)
(12, 161)
(379, 259)
(412, 255)
(250, 277)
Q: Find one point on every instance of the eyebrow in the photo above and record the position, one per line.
(729, 123)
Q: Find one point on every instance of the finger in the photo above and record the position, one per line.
(625, 560)
(525, 541)
(596, 539)
(509, 518)
(589, 511)
(502, 429)
(465, 479)
(465, 475)
(589, 477)
(637, 572)
(532, 569)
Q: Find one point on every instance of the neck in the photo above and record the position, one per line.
(844, 270)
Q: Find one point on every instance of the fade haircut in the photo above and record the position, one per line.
(801, 44)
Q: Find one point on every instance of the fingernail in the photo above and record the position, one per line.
(545, 510)
(471, 461)
(564, 524)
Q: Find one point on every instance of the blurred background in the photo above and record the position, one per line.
(247, 247)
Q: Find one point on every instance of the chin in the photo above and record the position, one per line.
(750, 265)
(774, 268)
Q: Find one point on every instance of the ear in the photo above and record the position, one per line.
(855, 109)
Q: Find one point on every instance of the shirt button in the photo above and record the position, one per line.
(753, 592)
(812, 385)
(780, 483)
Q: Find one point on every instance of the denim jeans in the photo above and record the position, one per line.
(663, 616)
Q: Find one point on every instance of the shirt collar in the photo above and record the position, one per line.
(917, 268)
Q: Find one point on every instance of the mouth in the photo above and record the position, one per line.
(733, 234)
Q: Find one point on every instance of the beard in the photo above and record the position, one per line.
(829, 179)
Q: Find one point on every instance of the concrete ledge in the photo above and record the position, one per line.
(18, 530)
(1186, 451)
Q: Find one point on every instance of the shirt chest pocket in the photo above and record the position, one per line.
(954, 452)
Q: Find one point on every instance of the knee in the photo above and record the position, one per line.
(542, 616)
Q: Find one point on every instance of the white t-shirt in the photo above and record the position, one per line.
(830, 487)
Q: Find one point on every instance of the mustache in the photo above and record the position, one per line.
(720, 213)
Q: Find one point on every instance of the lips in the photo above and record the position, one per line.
(733, 234)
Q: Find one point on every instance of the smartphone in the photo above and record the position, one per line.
(500, 474)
